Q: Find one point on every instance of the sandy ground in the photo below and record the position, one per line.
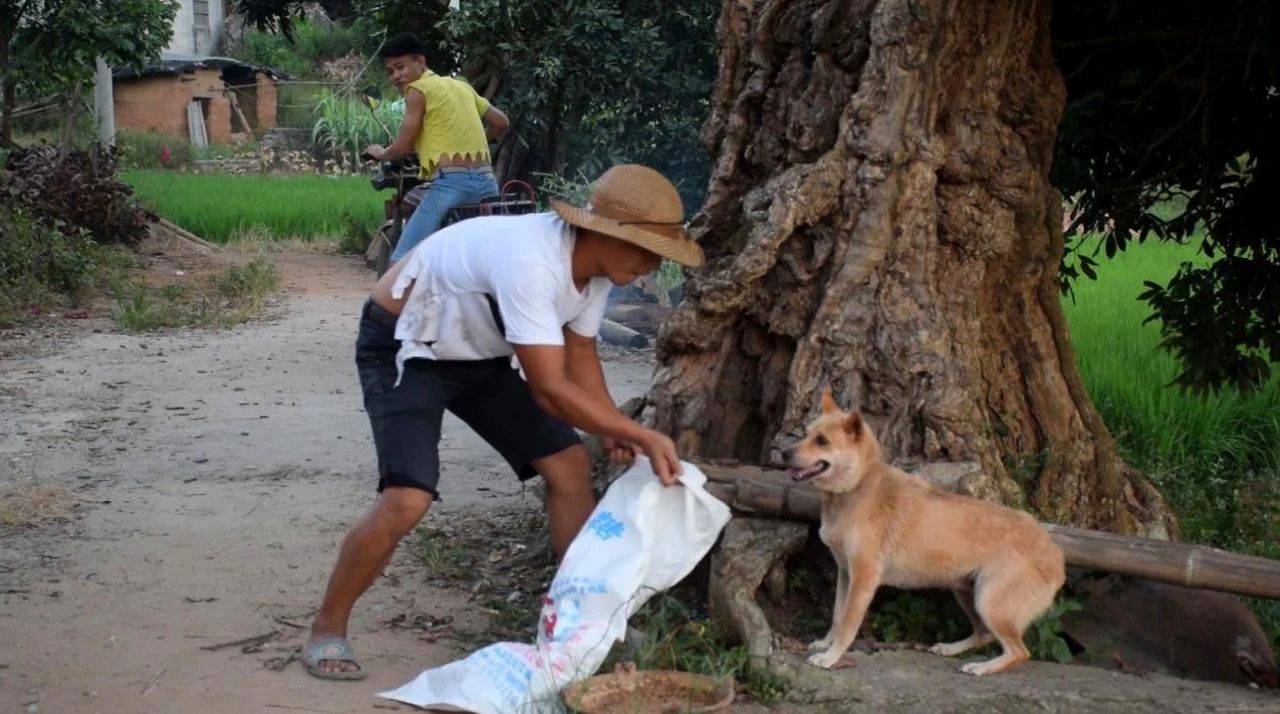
(213, 474)
(216, 472)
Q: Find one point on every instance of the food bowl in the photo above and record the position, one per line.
(628, 691)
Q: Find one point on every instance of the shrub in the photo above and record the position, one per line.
(40, 266)
(311, 45)
(75, 191)
(355, 235)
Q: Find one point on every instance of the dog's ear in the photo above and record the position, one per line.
(828, 402)
(853, 425)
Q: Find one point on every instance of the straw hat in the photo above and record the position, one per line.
(639, 205)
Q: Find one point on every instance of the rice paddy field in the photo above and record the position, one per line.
(1216, 457)
(225, 208)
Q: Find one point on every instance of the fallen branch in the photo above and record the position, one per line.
(40, 106)
(287, 623)
(754, 491)
(255, 641)
(154, 679)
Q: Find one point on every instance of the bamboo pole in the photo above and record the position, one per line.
(754, 491)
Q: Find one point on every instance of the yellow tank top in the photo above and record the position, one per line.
(452, 124)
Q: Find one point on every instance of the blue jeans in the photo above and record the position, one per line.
(449, 188)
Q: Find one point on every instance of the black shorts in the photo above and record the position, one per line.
(488, 395)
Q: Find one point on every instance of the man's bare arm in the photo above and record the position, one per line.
(582, 363)
(496, 123)
(415, 109)
(582, 366)
(546, 369)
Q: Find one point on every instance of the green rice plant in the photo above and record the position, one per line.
(1130, 378)
(1214, 457)
(345, 125)
(223, 208)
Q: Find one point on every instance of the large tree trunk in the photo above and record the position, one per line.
(880, 220)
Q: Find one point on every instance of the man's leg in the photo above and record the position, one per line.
(500, 409)
(405, 422)
(569, 498)
(365, 550)
(445, 193)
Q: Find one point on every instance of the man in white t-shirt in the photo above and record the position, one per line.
(439, 333)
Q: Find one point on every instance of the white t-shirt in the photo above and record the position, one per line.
(524, 262)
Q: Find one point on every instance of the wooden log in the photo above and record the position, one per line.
(622, 336)
(1192, 566)
(643, 318)
(186, 235)
(235, 106)
(758, 492)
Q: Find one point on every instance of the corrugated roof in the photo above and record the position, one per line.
(172, 63)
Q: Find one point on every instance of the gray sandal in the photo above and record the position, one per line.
(334, 649)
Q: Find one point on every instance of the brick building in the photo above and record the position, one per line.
(207, 100)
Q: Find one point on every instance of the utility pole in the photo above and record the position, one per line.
(104, 103)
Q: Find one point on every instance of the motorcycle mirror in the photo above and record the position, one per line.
(369, 96)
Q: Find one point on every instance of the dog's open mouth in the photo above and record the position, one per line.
(809, 471)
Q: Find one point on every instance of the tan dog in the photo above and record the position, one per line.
(885, 526)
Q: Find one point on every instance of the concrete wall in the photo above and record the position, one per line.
(184, 36)
(217, 21)
(190, 39)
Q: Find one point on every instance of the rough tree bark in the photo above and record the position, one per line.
(879, 219)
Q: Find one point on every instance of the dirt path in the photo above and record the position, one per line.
(213, 475)
(216, 473)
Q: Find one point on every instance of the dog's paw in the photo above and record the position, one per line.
(819, 645)
(947, 649)
(977, 669)
(824, 659)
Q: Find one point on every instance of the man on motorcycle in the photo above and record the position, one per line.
(445, 125)
(438, 333)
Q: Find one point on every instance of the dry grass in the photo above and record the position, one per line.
(29, 504)
(260, 241)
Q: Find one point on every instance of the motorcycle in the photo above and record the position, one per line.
(515, 197)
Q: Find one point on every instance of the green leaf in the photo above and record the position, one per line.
(1060, 651)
